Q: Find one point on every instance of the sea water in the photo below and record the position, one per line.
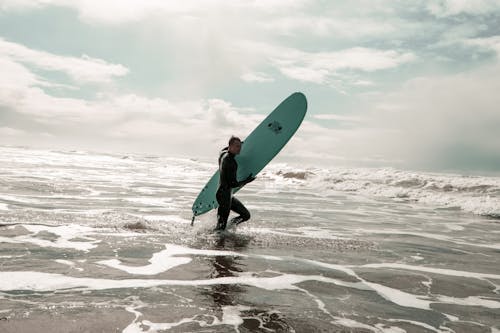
(103, 243)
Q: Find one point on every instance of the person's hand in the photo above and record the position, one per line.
(249, 179)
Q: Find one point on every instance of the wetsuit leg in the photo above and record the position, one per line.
(224, 201)
(239, 208)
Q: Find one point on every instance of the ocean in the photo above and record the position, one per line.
(93, 242)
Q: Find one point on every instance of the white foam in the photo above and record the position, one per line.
(156, 327)
(302, 232)
(65, 262)
(69, 263)
(451, 317)
(399, 297)
(159, 263)
(344, 269)
(148, 201)
(38, 281)
(346, 322)
(393, 295)
(65, 235)
(427, 235)
(440, 271)
(469, 301)
(424, 325)
(423, 302)
(419, 301)
(478, 195)
(166, 218)
(170, 257)
(165, 260)
(455, 227)
(4, 206)
(391, 329)
(231, 316)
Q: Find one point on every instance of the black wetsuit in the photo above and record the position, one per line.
(228, 168)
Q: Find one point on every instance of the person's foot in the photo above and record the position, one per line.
(220, 227)
(236, 220)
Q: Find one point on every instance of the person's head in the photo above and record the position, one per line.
(234, 145)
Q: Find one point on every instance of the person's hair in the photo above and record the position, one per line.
(233, 139)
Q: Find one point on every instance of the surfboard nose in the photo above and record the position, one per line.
(299, 99)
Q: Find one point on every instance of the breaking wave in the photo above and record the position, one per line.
(475, 194)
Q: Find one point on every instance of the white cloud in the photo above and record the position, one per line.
(257, 77)
(439, 122)
(124, 122)
(201, 28)
(363, 83)
(318, 67)
(11, 5)
(84, 69)
(489, 43)
(123, 11)
(442, 8)
(8, 131)
(328, 116)
(435, 122)
(14, 74)
(326, 26)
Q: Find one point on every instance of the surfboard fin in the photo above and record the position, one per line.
(192, 220)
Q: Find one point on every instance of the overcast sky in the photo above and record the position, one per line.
(413, 84)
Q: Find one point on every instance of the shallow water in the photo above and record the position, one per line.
(103, 243)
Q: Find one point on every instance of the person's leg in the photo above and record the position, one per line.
(224, 201)
(239, 208)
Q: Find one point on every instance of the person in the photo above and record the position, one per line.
(228, 168)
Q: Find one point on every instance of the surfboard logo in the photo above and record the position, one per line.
(275, 127)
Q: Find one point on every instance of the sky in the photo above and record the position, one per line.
(403, 84)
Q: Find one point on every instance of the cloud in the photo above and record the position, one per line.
(84, 69)
(488, 43)
(7, 131)
(330, 116)
(320, 67)
(29, 111)
(441, 8)
(257, 77)
(14, 74)
(335, 24)
(121, 122)
(253, 44)
(436, 122)
(124, 11)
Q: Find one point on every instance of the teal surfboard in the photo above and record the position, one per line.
(259, 148)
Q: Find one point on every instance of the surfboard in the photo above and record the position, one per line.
(259, 148)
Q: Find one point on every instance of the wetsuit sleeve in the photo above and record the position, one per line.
(228, 174)
(228, 170)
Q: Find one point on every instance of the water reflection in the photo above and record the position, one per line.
(227, 266)
(254, 319)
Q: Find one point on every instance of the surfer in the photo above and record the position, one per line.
(228, 168)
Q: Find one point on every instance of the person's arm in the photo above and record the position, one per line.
(230, 169)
